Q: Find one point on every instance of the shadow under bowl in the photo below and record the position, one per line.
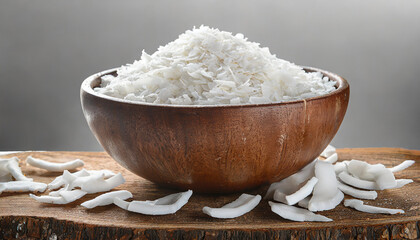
(214, 149)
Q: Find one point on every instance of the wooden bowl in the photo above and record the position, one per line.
(214, 149)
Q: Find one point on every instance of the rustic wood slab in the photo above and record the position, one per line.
(23, 217)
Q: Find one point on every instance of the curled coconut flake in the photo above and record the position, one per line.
(364, 170)
(378, 173)
(121, 203)
(105, 172)
(99, 184)
(302, 193)
(14, 169)
(357, 193)
(244, 204)
(332, 159)
(79, 181)
(326, 194)
(60, 181)
(340, 167)
(296, 214)
(57, 193)
(63, 198)
(52, 166)
(304, 202)
(162, 206)
(328, 151)
(355, 182)
(291, 184)
(402, 166)
(402, 182)
(107, 198)
(22, 186)
(359, 205)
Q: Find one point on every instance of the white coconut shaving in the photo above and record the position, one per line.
(244, 204)
(107, 198)
(53, 166)
(296, 214)
(205, 66)
(166, 205)
(360, 206)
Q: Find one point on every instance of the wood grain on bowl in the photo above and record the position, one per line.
(215, 149)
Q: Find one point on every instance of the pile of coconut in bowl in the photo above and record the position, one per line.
(205, 66)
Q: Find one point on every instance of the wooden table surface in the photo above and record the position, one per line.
(23, 217)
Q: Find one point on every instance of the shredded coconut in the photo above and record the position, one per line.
(205, 66)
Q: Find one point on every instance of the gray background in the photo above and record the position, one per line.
(47, 48)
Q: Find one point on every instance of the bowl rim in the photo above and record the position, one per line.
(87, 88)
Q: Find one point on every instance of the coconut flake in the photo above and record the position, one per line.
(99, 184)
(332, 159)
(304, 202)
(340, 167)
(301, 193)
(121, 203)
(291, 184)
(11, 165)
(107, 198)
(359, 205)
(402, 182)
(402, 166)
(328, 151)
(205, 66)
(326, 194)
(52, 166)
(64, 197)
(296, 214)
(357, 193)
(244, 204)
(162, 206)
(60, 181)
(22, 186)
(355, 182)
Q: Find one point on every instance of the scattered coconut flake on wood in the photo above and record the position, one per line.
(402, 183)
(64, 197)
(326, 194)
(355, 182)
(357, 193)
(107, 198)
(244, 204)
(121, 203)
(86, 179)
(402, 166)
(360, 206)
(162, 206)
(12, 166)
(296, 214)
(332, 159)
(53, 166)
(382, 176)
(102, 185)
(22, 186)
(206, 66)
(328, 151)
(291, 184)
(302, 193)
(340, 167)
(59, 181)
(304, 202)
